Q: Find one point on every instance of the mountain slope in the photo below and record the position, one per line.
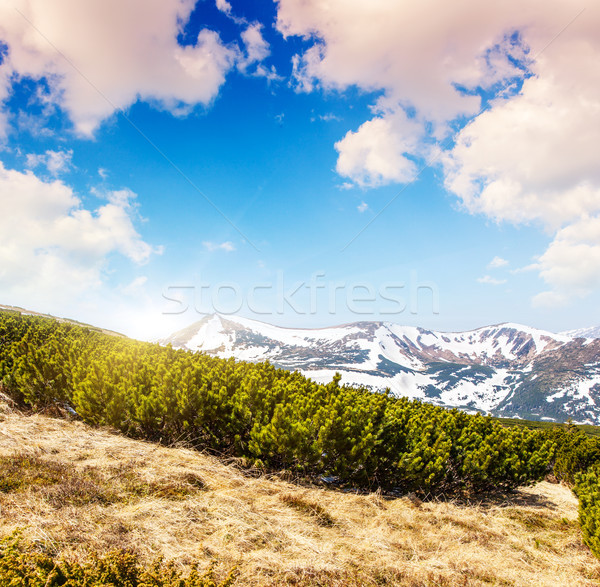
(507, 369)
(194, 509)
(591, 332)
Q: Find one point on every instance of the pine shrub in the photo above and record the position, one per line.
(587, 489)
(21, 564)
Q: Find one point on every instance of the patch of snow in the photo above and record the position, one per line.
(556, 395)
(592, 332)
(484, 396)
(296, 336)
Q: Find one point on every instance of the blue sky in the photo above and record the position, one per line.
(302, 163)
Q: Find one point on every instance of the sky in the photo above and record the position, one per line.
(301, 162)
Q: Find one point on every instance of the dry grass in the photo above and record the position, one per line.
(84, 489)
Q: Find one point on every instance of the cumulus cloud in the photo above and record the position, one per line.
(102, 55)
(49, 242)
(528, 156)
(224, 6)
(533, 158)
(56, 162)
(497, 262)
(226, 246)
(362, 207)
(571, 264)
(378, 152)
(416, 52)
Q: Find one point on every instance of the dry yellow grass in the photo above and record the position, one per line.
(195, 509)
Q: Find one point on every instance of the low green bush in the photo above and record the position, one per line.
(574, 452)
(22, 565)
(587, 489)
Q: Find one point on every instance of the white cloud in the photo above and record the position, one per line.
(257, 49)
(329, 117)
(497, 262)
(54, 249)
(490, 280)
(362, 207)
(534, 158)
(120, 52)
(549, 299)
(531, 157)
(415, 52)
(56, 162)
(377, 152)
(224, 6)
(34, 124)
(269, 73)
(571, 264)
(136, 287)
(226, 246)
(421, 54)
(4, 85)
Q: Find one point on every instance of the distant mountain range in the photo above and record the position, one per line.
(508, 369)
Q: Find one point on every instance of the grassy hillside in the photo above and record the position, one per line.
(73, 489)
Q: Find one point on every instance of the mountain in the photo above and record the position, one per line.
(591, 332)
(509, 370)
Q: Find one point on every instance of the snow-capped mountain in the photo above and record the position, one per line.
(591, 332)
(507, 369)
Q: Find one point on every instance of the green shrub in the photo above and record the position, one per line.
(587, 489)
(574, 452)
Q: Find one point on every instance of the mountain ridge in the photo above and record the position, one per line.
(589, 332)
(508, 369)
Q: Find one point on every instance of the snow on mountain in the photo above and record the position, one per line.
(591, 332)
(507, 369)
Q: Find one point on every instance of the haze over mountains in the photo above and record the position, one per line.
(508, 369)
